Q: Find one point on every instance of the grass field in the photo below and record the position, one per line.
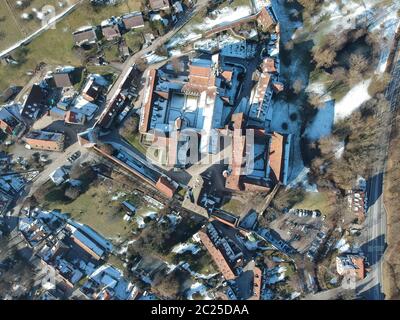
(8, 23)
(97, 208)
(134, 140)
(234, 206)
(20, 27)
(315, 200)
(54, 47)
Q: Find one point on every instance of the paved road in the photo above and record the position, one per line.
(376, 225)
(375, 228)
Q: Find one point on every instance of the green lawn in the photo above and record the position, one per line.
(7, 23)
(11, 17)
(315, 200)
(97, 209)
(134, 40)
(233, 206)
(134, 140)
(111, 53)
(54, 47)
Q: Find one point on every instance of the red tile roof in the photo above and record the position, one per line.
(158, 4)
(111, 32)
(200, 79)
(217, 256)
(148, 103)
(262, 86)
(257, 282)
(360, 268)
(278, 86)
(276, 155)
(238, 147)
(269, 65)
(133, 21)
(227, 75)
(165, 187)
(264, 18)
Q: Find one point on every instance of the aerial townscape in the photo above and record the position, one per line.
(199, 150)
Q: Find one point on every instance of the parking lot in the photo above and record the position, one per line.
(299, 228)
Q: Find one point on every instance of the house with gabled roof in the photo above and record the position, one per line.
(157, 5)
(35, 103)
(111, 32)
(85, 35)
(10, 123)
(133, 20)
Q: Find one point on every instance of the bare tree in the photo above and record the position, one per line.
(315, 100)
(297, 86)
(358, 62)
(324, 57)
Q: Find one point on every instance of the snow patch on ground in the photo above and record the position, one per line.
(339, 150)
(276, 274)
(183, 247)
(198, 287)
(186, 266)
(322, 123)
(118, 195)
(342, 245)
(352, 100)
(154, 58)
(224, 15)
(318, 88)
(140, 222)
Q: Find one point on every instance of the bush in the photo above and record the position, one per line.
(170, 285)
(130, 126)
(106, 148)
(56, 195)
(378, 84)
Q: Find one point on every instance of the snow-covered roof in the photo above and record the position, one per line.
(84, 107)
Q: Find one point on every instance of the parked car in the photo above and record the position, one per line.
(74, 156)
(316, 213)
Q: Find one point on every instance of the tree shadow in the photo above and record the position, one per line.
(373, 293)
(374, 194)
(374, 249)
